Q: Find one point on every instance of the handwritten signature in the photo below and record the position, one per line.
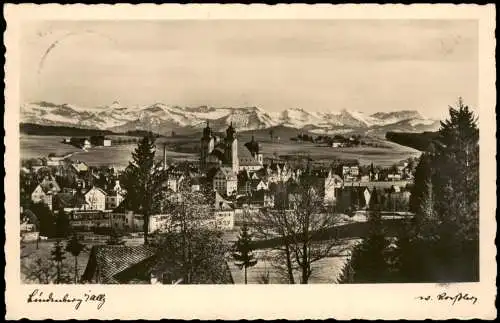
(38, 296)
(459, 297)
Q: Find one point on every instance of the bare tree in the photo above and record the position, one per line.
(303, 228)
(43, 271)
(191, 238)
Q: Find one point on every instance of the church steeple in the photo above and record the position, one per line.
(207, 132)
(230, 132)
(253, 146)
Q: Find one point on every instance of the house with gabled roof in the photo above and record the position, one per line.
(143, 264)
(45, 192)
(96, 198)
(225, 181)
(117, 264)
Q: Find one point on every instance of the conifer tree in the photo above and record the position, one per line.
(446, 202)
(75, 248)
(369, 261)
(142, 180)
(243, 254)
(58, 257)
(422, 175)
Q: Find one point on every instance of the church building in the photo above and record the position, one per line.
(228, 152)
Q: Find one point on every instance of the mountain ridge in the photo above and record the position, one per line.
(163, 118)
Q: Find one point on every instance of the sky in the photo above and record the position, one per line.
(317, 65)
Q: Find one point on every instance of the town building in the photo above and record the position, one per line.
(96, 199)
(263, 198)
(86, 220)
(45, 192)
(115, 196)
(136, 265)
(82, 143)
(80, 167)
(225, 181)
(117, 264)
(350, 173)
(174, 182)
(195, 184)
(53, 160)
(100, 141)
(332, 186)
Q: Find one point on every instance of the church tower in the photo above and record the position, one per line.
(253, 147)
(207, 146)
(232, 149)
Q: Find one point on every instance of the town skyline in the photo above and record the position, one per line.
(271, 64)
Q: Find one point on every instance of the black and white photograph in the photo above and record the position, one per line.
(249, 152)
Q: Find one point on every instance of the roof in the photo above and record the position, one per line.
(49, 185)
(65, 199)
(195, 181)
(244, 154)
(248, 161)
(30, 216)
(80, 167)
(260, 195)
(337, 177)
(95, 188)
(227, 172)
(221, 203)
(106, 262)
(255, 182)
(243, 151)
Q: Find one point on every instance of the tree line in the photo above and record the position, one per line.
(441, 242)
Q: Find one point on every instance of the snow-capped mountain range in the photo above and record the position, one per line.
(163, 119)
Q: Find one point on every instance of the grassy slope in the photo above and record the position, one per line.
(187, 148)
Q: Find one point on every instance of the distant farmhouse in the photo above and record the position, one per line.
(85, 143)
(79, 142)
(100, 141)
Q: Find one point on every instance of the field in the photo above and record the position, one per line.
(324, 271)
(120, 155)
(185, 148)
(379, 156)
(385, 153)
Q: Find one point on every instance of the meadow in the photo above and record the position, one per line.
(117, 155)
(186, 148)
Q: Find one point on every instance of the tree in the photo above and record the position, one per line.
(42, 271)
(304, 229)
(143, 179)
(243, 254)
(190, 239)
(456, 162)
(74, 247)
(62, 225)
(45, 218)
(270, 224)
(347, 274)
(423, 175)
(57, 254)
(446, 204)
(369, 262)
(271, 134)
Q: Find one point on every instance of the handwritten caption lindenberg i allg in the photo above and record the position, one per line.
(38, 296)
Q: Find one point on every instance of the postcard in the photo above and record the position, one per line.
(170, 161)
